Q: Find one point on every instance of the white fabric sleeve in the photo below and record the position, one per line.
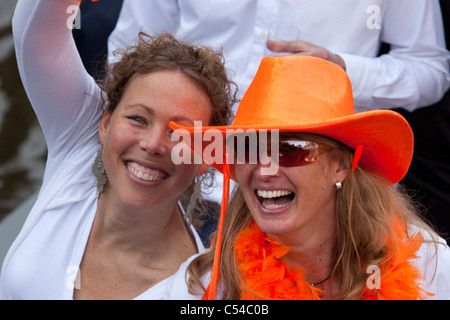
(415, 73)
(152, 17)
(433, 260)
(65, 98)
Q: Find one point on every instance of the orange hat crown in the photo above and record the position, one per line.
(289, 92)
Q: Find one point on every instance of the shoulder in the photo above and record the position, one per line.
(433, 260)
(177, 288)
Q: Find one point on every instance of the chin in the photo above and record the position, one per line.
(274, 226)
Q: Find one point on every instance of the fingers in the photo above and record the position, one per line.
(300, 47)
(294, 47)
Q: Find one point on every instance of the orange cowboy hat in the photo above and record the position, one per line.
(312, 95)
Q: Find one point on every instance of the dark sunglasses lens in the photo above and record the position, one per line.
(297, 153)
(291, 152)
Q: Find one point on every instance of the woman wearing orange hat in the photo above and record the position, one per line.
(328, 224)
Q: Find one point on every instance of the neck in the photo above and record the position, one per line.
(311, 249)
(145, 233)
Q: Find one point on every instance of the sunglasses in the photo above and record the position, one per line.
(292, 152)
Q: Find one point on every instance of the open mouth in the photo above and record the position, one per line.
(146, 174)
(274, 199)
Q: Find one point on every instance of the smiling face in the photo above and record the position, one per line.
(294, 201)
(137, 144)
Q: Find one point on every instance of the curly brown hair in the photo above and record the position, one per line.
(164, 52)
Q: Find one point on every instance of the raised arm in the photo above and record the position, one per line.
(63, 95)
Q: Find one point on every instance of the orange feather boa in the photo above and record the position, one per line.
(266, 277)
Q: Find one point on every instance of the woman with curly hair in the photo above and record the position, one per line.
(108, 223)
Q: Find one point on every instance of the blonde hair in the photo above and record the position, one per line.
(366, 206)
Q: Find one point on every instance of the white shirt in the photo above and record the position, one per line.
(43, 261)
(414, 74)
(435, 268)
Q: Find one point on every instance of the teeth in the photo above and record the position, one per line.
(275, 206)
(143, 176)
(272, 194)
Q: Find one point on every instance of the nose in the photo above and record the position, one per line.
(266, 171)
(155, 142)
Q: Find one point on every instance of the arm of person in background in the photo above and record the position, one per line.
(65, 98)
(152, 17)
(413, 74)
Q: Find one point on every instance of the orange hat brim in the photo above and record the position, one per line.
(386, 136)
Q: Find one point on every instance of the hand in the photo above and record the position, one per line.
(300, 47)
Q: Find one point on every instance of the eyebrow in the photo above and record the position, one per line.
(151, 111)
(143, 106)
(181, 118)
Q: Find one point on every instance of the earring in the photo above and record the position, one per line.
(338, 185)
(194, 197)
(98, 170)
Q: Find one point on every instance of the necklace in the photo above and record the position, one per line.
(317, 283)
